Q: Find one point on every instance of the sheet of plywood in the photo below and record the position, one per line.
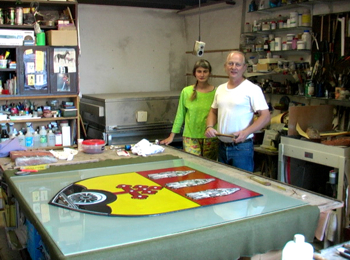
(319, 117)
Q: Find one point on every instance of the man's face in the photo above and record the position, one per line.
(235, 66)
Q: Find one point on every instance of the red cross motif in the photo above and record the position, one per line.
(138, 191)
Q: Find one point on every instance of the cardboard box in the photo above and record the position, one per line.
(262, 67)
(62, 38)
(269, 61)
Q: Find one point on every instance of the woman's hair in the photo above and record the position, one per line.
(199, 64)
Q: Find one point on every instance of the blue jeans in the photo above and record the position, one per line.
(239, 155)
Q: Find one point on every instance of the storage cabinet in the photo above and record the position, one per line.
(39, 76)
(47, 70)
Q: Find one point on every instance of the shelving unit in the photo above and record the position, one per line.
(42, 73)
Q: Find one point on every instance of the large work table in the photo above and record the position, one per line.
(223, 231)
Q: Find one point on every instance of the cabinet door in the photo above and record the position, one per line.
(63, 70)
(34, 69)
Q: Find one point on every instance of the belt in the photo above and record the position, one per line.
(234, 144)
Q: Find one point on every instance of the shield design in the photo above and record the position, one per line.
(148, 193)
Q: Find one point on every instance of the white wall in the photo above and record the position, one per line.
(220, 30)
(129, 49)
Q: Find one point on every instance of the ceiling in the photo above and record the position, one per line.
(162, 4)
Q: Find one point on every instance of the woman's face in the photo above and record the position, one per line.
(202, 74)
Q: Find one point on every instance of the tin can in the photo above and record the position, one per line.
(1, 16)
(11, 16)
(19, 16)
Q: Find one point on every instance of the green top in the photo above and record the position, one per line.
(193, 113)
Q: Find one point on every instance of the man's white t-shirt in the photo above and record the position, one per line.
(236, 107)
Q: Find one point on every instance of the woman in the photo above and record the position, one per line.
(193, 109)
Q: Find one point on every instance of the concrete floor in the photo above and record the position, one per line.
(6, 252)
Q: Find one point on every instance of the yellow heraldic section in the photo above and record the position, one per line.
(163, 201)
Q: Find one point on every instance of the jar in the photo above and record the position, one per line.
(293, 19)
(301, 45)
(290, 37)
(289, 46)
(265, 26)
(280, 24)
(284, 46)
(273, 25)
(306, 18)
(278, 44)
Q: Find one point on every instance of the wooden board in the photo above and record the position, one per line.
(17, 154)
(319, 117)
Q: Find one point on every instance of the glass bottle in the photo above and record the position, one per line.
(4, 134)
(12, 129)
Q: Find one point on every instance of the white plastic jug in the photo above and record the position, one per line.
(298, 249)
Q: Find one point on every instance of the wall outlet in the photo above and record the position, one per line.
(141, 116)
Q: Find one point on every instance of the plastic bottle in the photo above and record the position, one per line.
(306, 37)
(36, 140)
(29, 138)
(50, 138)
(298, 249)
(21, 139)
(65, 128)
(30, 127)
(43, 137)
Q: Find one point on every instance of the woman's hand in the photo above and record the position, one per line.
(168, 140)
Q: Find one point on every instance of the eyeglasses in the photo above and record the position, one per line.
(238, 65)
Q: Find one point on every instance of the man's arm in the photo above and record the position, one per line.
(263, 119)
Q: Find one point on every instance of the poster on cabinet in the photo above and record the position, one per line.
(64, 69)
(64, 60)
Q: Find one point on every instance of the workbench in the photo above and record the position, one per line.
(224, 231)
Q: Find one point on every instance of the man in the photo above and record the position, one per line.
(233, 109)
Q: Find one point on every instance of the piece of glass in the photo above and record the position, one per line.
(75, 232)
